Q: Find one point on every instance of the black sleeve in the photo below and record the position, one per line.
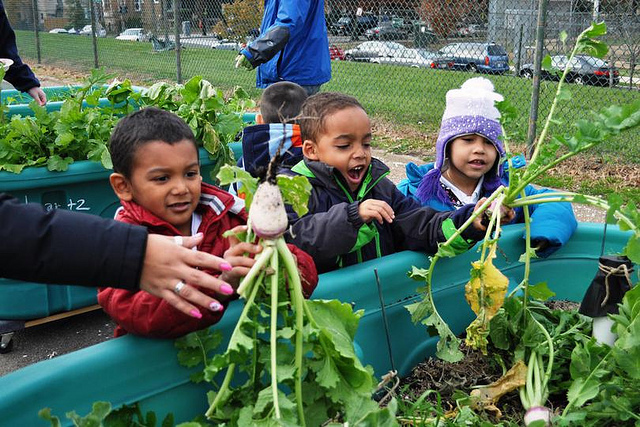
(19, 74)
(70, 248)
(264, 48)
(325, 235)
(421, 228)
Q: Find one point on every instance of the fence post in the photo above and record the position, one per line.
(165, 25)
(36, 22)
(177, 5)
(537, 65)
(519, 57)
(93, 33)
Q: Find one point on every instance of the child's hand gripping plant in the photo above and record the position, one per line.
(292, 359)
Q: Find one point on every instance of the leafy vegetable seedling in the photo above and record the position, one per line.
(289, 360)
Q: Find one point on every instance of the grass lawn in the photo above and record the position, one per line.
(408, 102)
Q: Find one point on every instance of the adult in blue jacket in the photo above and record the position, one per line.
(18, 74)
(292, 46)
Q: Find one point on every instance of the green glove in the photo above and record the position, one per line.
(242, 61)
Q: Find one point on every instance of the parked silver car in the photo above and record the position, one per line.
(417, 58)
(367, 51)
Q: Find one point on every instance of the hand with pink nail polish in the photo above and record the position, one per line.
(235, 256)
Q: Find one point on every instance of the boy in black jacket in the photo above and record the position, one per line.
(355, 212)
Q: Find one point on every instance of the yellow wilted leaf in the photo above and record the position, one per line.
(513, 379)
(485, 294)
(487, 288)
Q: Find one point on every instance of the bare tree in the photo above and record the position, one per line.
(446, 15)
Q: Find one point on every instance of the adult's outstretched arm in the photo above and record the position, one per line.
(70, 248)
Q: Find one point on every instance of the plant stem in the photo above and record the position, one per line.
(552, 110)
(232, 366)
(570, 197)
(527, 259)
(528, 179)
(295, 289)
(475, 214)
(274, 328)
(261, 260)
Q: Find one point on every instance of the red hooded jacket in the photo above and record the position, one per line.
(141, 313)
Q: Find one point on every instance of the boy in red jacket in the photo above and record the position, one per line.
(157, 179)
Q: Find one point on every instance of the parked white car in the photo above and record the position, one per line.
(86, 31)
(133, 34)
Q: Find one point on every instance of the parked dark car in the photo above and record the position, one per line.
(417, 58)
(386, 31)
(345, 25)
(366, 51)
(584, 70)
(480, 57)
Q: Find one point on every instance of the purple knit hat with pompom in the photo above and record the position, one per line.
(469, 110)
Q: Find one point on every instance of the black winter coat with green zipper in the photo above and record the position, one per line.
(335, 236)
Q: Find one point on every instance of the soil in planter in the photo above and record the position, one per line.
(475, 369)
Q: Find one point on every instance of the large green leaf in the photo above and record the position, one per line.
(295, 192)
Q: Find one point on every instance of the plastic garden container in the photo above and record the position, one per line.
(22, 100)
(130, 369)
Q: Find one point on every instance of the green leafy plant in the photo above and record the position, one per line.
(292, 359)
(58, 138)
(102, 414)
(214, 119)
(481, 292)
(604, 387)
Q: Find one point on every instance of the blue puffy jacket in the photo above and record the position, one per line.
(550, 222)
(293, 44)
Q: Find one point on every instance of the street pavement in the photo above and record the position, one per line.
(56, 338)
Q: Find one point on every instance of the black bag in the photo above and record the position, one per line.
(607, 289)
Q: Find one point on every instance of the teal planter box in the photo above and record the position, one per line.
(22, 100)
(130, 369)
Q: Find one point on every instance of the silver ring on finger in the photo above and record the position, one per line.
(178, 287)
(178, 240)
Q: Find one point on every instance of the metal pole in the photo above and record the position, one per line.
(163, 7)
(384, 320)
(36, 26)
(93, 33)
(519, 58)
(535, 94)
(176, 18)
(154, 19)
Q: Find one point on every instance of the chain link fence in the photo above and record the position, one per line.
(398, 57)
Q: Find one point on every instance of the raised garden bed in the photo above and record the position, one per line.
(131, 369)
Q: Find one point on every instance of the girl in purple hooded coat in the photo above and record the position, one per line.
(470, 165)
